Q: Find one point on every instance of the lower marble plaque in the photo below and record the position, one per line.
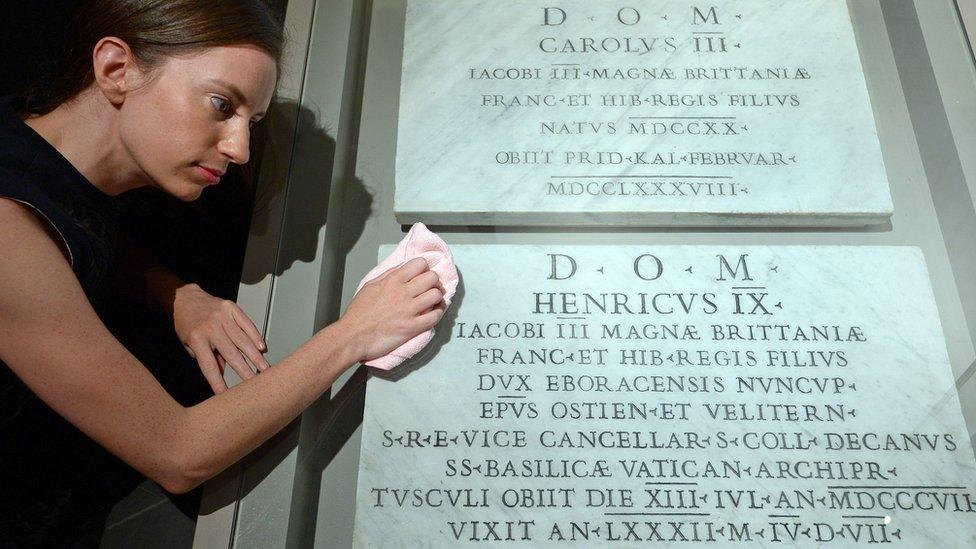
(696, 396)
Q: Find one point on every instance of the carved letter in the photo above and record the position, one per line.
(634, 17)
(547, 22)
(554, 274)
(699, 18)
(658, 265)
(724, 267)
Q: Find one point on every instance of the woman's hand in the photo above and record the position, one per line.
(217, 332)
(393, 308)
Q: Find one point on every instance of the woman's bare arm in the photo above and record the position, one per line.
(53, 340)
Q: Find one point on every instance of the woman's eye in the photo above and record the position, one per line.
(220, 104)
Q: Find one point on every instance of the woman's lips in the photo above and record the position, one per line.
(210, 176)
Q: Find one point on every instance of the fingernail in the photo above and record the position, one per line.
(264, 346)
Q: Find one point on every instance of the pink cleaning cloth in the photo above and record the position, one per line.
(419, 242)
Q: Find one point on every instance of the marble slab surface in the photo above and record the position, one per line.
(664, 112)
(673, 396)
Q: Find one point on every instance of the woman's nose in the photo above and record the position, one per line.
(235, 144)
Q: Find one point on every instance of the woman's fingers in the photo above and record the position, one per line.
(245, 324)
(232, 354)
(428, 299)
(423, 282)
(245, 344)
(430, 319)
(410, 269)
(212, 372)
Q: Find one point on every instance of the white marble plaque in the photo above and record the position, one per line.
(664, 112)
(639, 396)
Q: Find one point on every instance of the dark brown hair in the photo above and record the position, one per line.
(154, 30)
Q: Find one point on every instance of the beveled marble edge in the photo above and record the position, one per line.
(645, 219)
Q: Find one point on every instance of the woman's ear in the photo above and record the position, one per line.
(115, 69)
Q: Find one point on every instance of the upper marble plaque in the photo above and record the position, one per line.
(641, 397)
(663, 112)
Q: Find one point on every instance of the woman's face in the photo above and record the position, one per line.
(192, 118)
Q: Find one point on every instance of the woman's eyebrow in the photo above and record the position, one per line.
(238, 96)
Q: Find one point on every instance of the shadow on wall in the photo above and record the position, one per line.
(294, 200)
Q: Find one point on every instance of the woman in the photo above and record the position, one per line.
(159, 93)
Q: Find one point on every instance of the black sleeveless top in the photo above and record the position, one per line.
(53, 478)
(34, 173)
